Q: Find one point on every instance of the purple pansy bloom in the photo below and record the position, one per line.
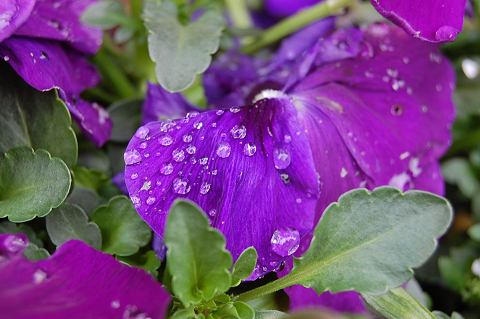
(375, 106)
(77, 281)
(433, 21)
(46, 44)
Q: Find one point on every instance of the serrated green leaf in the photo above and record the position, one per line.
(180, 52)
(397, 304)
(123, 231)
(270, 314)
(70, 222)
(196, 257)
(31, 184)
(32, 118)
(369, 242)
(451, 273)
(126, 118)
(243, 310)
(244, 266)
(148, 261)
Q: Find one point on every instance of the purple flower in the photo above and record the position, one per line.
(361, 109)
(46, 44)
(75, 282)
(433, 21)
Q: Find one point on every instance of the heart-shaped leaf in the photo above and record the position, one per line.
(180, 52)
(31, 184)
(244, 266)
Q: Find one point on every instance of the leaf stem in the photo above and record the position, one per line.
(269, 288)
(296, 22)
(239, 13)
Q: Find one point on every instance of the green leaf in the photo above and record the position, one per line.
(7, 227)
(34, 253)
(196, 257)
(452, 273)
(92, 178)
(368, 242)
(244, 265)
(398, 304)
(474, 232)
(188, 313)
(32, 118)
(123, 231)
(270, 314)
(86, 198)
(126, 116)
(441, 315)
(243, 310)
(31, 184)
(148, 261)
(104, 14)
(458, 171)
(180, 52)
(70, 222)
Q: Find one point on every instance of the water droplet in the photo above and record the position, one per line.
(198, 125)
(368, 74)
(235, 109)
(143, 145)
(151, 200)
(281, 158)
(203, 160)
(178, 155)
(214, 124)
(223, 149)
(134, 176)
(287, 138)
(132, 157)
(181, 185)
(214, 172)
(424, 108)
(6, 58)
(249, 149)
(158, 183)
(438, 87)
(204, 188)
(165, 140)
(392, 72)
(220, 112)
(298, 200)
(166, 168)
(187, 138)
(446, 33)
(343, 172)
(39, 276)
(191, 114)
(115, 304)
(238, 132)
(14, 243)
(142, 132)
(212, 212)
(285, 178)
(470, 68)
(191, 149)
(397, 109)
(285, 241)
(193, 160)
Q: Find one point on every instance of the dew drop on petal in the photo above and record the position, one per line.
(223, 149)
(234, 109)
(191, 149)
(446, 33)
(249, 149)
(220, 112)
(214, 172)
(181, 185)
(142, 132)
(115, 304)
(285, 178)
(287, 138)
(136, 201)
(151, 200)
(204, 188)
(132, 157)
(212, 212)
(187, 138)
(198, 125)
(39, 276)
(281, 158)
(238, 132)
(191, 114)
(14, 243)
(178, 155)
(203, 160)
(143, 145)
(285, 241)
(166, 168)
(134, 176)
(165, 140)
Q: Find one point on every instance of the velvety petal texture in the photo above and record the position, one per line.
(48, 64)
(13, 13)
(433, 20)
(60, 20)
(160, 104)
(76, 282)
(250, 168)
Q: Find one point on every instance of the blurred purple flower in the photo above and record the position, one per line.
(76, 282)
(358, 109)
(433, 21)
(46, 44)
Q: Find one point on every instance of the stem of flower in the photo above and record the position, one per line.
(239, 13)
(296, 22)
(269, 288)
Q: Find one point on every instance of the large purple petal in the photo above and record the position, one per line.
(13, 14)
(250, 168)
(47, 64)
(160, 104)
(76, 282)
(432, 20)
(284, 8)
(60, 20)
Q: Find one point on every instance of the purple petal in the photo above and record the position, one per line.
(434, 20)
(119, 181)
(75, 282)
(45, 65)
(60, 20)
(13, 14)
(284, 8)
(250, 168)
(160, 104)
